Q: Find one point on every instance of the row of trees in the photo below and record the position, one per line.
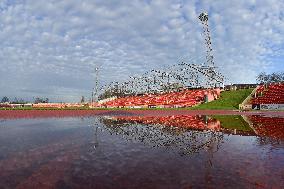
(275, 77)
(5, 99)
(37, 100)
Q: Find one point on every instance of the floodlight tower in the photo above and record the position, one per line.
(95, 89)
(213, 77)
(203, 17)
(96, 84)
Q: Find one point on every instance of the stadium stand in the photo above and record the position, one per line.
(185, 98)
(269, 94)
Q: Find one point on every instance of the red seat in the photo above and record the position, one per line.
(272, 94)
(184, 98)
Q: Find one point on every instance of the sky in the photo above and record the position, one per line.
(50, 48)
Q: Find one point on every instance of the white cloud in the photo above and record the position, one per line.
(51, 46)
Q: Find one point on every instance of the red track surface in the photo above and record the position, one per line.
(16, 114)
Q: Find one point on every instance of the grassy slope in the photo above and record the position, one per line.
(229, 100)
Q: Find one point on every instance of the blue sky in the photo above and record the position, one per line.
(49, 48)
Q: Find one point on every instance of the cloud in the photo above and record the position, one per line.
(50, 48)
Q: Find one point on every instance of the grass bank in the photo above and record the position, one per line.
(229, 100)
(233, 122)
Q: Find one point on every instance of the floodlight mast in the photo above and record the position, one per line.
(96, 84)
(95, 89)
(213, 77)
(203, 17)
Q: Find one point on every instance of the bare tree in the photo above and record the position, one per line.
(41, 100)
(5, 99)
(275, 77)
(261, 78)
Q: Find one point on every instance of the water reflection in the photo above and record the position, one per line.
(253, 125)
(272, 127)
(180, 133)
(193, 134)
(143, 152)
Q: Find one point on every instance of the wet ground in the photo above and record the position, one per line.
(134, 151)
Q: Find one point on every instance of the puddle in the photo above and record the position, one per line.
(180, 151)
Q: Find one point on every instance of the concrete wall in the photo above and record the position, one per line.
(272, 107)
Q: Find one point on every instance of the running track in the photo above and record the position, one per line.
(18, 114)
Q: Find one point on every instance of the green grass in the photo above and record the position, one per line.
(233, 122)
(229, 100)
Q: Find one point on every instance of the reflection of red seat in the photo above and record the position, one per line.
(268, 126)
(183, 99)
(272, 94)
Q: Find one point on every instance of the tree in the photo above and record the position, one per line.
(22, 101)
(275, 77)
(282, 76)
(5, 99)
(15, 101)
(115, 91)
(261, 78)
(18, 101)
(41, 100)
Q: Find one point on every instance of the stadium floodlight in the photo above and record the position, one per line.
(203, 17)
